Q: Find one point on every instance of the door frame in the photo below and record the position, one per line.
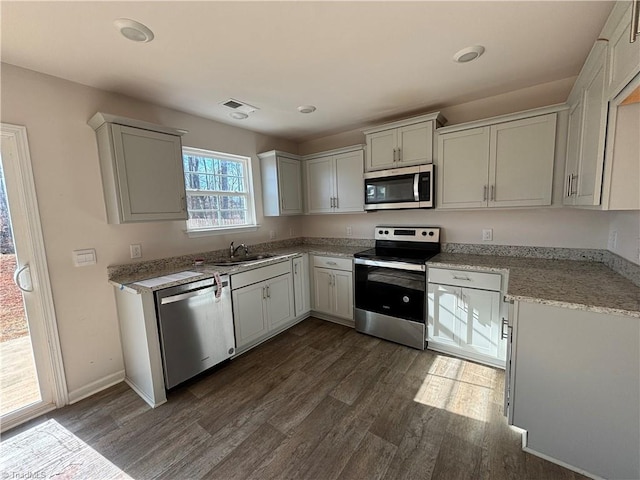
(46, 343)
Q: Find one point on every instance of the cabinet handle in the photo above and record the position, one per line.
(573, 179)
(504, 335)
(635, 6)
(484, 193)
(493, 193)
(399, 154)
(268, 292)
(282, 203)
(466, 279)
(395, 155)
(295, 268)
(337, 202)
(568, 191)
(264, 293)
(183, 201)
(331, 263)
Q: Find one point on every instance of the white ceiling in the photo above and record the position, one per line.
(358, 62)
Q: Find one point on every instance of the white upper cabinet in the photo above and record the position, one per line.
(586, 135)
(141, 167)
(401, 144)
(281, 183)
(624, 56)
(334, 181)
(498, 162)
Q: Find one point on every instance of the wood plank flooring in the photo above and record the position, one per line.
(320, 401)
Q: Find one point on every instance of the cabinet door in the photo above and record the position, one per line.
(343, 294)
(521, 162)
(589, 180)
(381, 149)
(320, 183)
(479, 317)
(463, 159)
(301, 285)
(290, 186)
(416, 144)
(574, 140)
(279, 304)
(248, 315)
(349, 182)
(443, 321)
(150, 175)
(323, 290)
(625, 56)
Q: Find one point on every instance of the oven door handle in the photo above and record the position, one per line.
(395, 265)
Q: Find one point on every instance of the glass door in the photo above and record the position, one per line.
(31, 374)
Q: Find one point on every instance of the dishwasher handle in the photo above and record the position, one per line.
(186, 295)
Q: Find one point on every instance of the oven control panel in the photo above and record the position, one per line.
(408, 234)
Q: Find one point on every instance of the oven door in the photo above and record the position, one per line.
(391, 288)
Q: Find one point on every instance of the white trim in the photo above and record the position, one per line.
(335, 151)
(534, 112)
(24, 415)
(142, 394)
(435, 116)
(525, 448)
(18, 134)
(330, 318)
(95, 387)
(221, 231)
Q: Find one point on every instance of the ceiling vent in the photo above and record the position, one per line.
(240, 107)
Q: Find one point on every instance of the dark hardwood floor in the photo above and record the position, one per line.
(319, 401)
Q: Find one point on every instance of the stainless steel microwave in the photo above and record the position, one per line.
(408, 187)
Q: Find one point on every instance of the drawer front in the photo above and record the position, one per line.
(465, 278)
(333, 262)
(260, 274)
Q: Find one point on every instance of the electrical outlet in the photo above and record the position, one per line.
(292, 232)
(487, 234)
(272, 234)
(349, 230)
(613, 240)
(136, 250)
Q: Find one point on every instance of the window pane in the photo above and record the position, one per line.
(224, 200)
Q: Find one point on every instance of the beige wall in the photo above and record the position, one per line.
(68, 185)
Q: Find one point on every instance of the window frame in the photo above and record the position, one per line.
(249, 195)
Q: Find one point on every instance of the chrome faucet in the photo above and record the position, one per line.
(232, 250)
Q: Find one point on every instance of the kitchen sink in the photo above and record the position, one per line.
(243, 259)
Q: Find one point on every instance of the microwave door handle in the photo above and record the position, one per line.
(416, 190)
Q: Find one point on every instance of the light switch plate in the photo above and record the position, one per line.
(83, 258)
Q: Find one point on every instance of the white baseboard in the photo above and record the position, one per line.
(329, 318)
(525, 448)
(143, 395)
(95, 387)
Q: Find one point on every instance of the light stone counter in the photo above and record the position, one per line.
(590, 286)
(128, 278)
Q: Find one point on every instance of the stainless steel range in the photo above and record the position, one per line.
(391, 284)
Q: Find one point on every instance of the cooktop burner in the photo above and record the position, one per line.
(404, 244)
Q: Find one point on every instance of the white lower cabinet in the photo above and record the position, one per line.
(575, 387)
(262, 302)
(465, 320)
(333, 286)
(301, 292)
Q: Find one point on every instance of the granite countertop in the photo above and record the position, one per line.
(208, 270)
(572, 284)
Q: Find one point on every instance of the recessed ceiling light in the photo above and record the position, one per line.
(306, 109)
(134, 31)
(468, 54)
(238, 115)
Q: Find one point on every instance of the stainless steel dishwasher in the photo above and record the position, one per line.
(196, 328)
